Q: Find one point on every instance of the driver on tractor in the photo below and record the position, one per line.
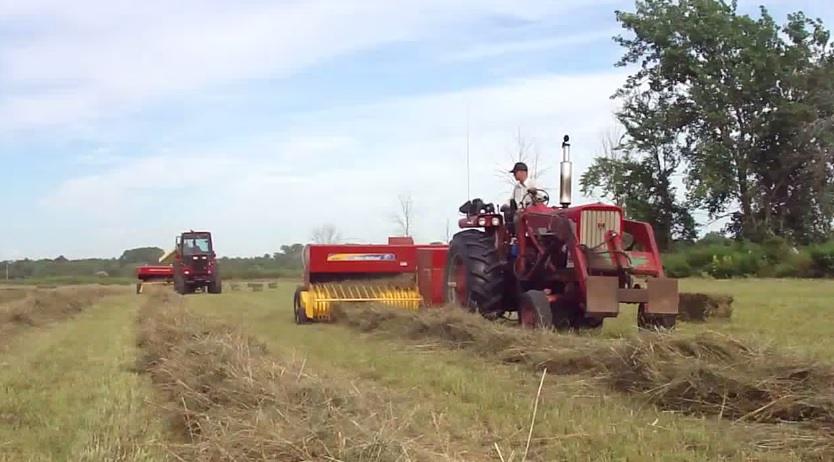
(525, 189)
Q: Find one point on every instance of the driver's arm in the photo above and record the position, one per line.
(532, 188)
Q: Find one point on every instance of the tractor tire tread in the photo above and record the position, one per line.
(483, 268)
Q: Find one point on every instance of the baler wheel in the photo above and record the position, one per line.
(299, 315)
(534, 310)
(646, 321)
(474, 277)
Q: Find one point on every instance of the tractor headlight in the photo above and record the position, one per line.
(482, 221)
(496, 221)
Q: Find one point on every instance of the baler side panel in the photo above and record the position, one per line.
(431, 268)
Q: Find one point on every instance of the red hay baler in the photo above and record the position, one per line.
(153, 274)
(400, 274)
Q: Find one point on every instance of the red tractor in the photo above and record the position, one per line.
(195, 264)
(563, 268)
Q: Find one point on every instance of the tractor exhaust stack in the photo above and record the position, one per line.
(566, 172)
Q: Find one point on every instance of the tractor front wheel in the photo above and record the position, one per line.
(534, 310)
(475, 278)
(649, 321)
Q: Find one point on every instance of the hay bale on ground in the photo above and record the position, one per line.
(700, 307)
(273, 285)
(256, 286)
(235, 286)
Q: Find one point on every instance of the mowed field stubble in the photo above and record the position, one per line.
(231, 377)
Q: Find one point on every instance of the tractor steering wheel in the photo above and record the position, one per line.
(542, 194)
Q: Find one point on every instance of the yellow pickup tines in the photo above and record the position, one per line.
(322, 296)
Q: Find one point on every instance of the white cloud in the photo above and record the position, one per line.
(492, 50)
(87, 59)
(346, 166)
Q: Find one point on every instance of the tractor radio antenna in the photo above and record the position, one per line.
(468, 196)
(565, 176)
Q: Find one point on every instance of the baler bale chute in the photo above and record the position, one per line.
(399, 274)
(558, 267)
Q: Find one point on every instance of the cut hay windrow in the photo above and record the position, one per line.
(708, 374)
(13, 294)
(229, 399)
(41, 307)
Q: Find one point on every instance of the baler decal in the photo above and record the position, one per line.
(361, 257)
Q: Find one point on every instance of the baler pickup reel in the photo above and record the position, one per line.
(400, 274)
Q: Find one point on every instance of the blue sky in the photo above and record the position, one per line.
(123, 124)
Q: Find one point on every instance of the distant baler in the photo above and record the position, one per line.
(153, 274)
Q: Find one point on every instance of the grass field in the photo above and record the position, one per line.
(230, 377)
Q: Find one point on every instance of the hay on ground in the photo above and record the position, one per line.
(700, 306)
(707, 374)
(230, 399)
(13, 294)
(40, 307)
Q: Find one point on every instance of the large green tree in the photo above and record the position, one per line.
(741, 104)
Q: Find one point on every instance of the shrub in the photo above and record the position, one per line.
(675, 266)
(822, 259)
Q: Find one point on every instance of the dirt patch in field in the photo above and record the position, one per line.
(707, 374)
(41, 307)
(228, 398)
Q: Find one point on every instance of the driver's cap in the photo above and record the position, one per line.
(519, 167)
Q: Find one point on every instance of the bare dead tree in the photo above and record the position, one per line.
(404, 217)
(326, 234)
(524, 150)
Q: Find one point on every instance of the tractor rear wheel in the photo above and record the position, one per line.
(179, 284)
(216, 286)
(534, 310)
(475, 278)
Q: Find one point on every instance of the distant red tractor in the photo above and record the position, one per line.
(563, 268)
(195, 264)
